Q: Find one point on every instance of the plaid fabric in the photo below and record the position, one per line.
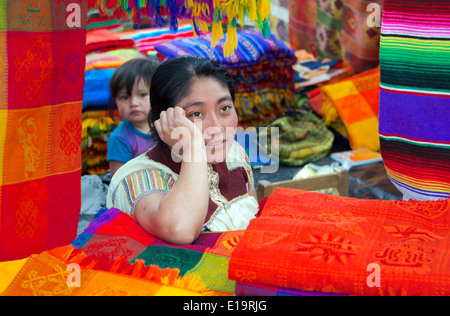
(351, 105)
(41, 89)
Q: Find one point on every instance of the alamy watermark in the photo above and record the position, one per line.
(374, 18)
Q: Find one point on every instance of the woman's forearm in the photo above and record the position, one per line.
(179, 215)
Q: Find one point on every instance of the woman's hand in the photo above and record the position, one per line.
(181, 134)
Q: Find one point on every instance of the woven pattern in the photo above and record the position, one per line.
(118, 257)
(335, 29)
(41, 82)
(415, 97)
(321, 243)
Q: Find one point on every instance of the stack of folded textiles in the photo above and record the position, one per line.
(261, 69)
(147, 39)
(97, 21)
(306, 241)
(96, 128)
(103, 40)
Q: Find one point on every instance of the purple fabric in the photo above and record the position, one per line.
(398, 119)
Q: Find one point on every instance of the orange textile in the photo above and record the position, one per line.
(316, 242)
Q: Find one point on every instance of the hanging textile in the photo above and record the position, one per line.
(415, 97)
(42, 59)
(198, 12)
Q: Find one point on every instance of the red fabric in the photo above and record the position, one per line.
(103, 40)
(315, 242)
(41, 93)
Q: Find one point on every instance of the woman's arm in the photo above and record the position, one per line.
(178, 216)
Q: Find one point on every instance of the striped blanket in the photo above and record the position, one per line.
(415, 97)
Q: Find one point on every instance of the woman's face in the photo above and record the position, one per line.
(211, 108)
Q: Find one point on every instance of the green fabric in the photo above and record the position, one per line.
(303, 138)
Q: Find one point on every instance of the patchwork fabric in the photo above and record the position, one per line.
(415, 97)
(351, 106)
(322, 243)
(42, 62)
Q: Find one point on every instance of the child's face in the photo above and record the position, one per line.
(135, 107)
(211, 108)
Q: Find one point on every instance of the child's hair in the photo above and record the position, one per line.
(173, 81)
(126, 74)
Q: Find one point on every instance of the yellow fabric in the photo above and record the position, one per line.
(8, 270)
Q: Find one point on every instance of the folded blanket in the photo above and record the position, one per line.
(49, 274)
(103, 40)
(315, 242)
(252, 48)
(111, 59)
(355, 101)
(96, 92)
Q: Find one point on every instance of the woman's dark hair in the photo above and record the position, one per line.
(126, 74)
(173, 81)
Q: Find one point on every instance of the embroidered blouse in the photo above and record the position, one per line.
(230, 205)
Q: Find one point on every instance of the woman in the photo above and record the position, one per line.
(197, 177)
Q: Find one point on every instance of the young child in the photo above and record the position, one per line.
(130, 90)
(197, 178)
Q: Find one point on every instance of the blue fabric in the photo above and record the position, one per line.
(96, 92)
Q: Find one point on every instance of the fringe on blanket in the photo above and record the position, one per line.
(153, 273)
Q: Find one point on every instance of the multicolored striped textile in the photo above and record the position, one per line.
(198, 12)
(415, 97)
(42, 60)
